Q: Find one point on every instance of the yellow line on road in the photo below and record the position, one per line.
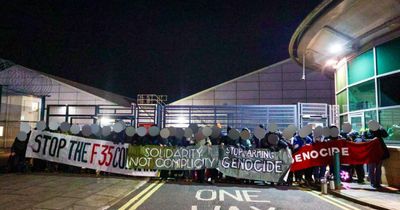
(329, 201)
(144, 198)
(338, 201)
(127, 204)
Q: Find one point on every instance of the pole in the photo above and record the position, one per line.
(336, 170)
(42, 108)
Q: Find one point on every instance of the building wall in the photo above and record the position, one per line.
(14, 110)
(280, 83)
(17, 108)
(62, 94)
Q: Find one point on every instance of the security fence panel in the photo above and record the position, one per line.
(315, 114)
(334, 118)
(241, 116)
(146, 114)
(235, 116)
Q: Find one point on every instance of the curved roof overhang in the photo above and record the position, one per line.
(338, 29)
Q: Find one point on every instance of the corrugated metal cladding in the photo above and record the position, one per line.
(279, 83)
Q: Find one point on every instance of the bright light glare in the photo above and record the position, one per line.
(331, 62)
(105, 121)
(336, 48)
(181, 122)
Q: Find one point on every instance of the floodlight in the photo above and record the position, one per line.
(336, 48)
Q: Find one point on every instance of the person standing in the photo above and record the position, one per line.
(375, 169)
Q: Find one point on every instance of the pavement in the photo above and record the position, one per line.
(61, 191)
(382, 198)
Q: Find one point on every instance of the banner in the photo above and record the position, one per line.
(82, 152)
(256, 164)
(173, 158)
(321, 154)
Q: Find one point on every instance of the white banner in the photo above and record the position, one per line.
(82, 152)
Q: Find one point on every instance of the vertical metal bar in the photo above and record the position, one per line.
(6, 121)
(215, 115)
(66, 113)
(96, 113)
(376, 86)
(48, 115)
(42, 109)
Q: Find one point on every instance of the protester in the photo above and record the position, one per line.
(17, 157)
(299, 142)
(355, 137)
(375, 169)
(245, 143)
(274, 144)
(319, 172)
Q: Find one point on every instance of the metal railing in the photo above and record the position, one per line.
(234, 116)
(239, 116)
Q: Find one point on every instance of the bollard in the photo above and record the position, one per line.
(332, 185)
(324, 186)
(336, 170)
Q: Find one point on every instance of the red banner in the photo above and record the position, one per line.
(320, 154)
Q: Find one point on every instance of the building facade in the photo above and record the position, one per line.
(27, 94)
(360, 41)
(366, 88)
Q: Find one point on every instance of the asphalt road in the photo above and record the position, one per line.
(192, 196)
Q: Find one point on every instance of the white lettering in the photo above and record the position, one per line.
(238, 196)
(248, 197)
(211, 198)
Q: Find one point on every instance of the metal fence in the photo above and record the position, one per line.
(234, 116)
(313, 113)
(239, 116)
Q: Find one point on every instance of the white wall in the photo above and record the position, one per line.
(280, 83)
(64, 94)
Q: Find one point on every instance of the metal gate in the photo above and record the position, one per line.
(241, 116)
(315, 114)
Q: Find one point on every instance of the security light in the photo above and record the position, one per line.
(105, 121)
(331, 62)
(336, 48)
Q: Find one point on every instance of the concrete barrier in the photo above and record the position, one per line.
(391, 168)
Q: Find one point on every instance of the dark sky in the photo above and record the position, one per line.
(175, 48)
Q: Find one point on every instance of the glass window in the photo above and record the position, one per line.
(343, 119)
(390, 120)
(388, 95)
(370, 115)
(362, 96)
(340, 78)
(361, 67)
(341, 99)
(356, 123)
(388, 56)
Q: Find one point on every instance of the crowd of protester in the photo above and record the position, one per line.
(309, 176)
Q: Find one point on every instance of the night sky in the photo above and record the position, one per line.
(175, 48)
